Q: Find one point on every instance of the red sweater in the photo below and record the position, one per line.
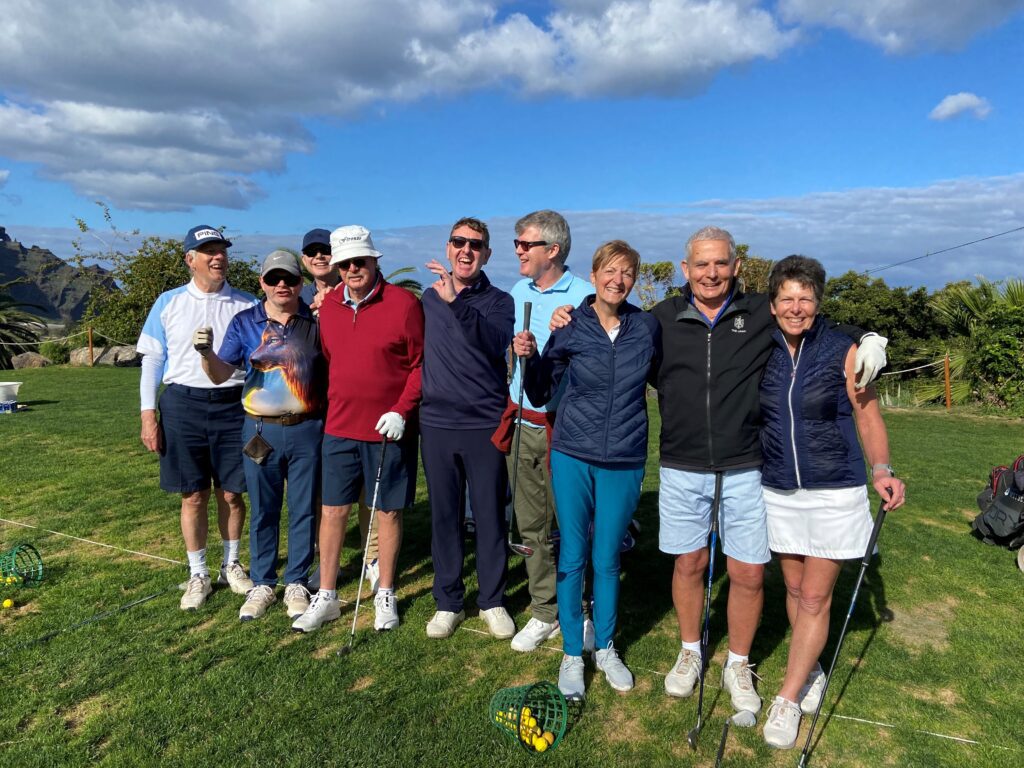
(374, 356)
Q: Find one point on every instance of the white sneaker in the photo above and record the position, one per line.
(499, 623)
(533, 634)
(373, 576)
(570, 677)
(737, 679)
(443, 624)
(197, 589)
(296, 600)
(783, 724)
(321, 610)
(589, 636)
(683, 677)
(234, 575)
(615, 672)
(810, 693)
(385, 606)
(257, 601)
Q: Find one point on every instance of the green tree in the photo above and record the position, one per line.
(754, 270)
(18, 327)
(409, 283)
(654, 282)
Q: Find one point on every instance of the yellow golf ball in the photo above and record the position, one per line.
(8, 603)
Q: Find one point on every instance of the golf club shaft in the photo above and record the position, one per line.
(879, 519)
(369, 535)
(721, 744)
(527, 310)
(706, 632)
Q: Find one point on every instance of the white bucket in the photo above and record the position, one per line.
(9, 396)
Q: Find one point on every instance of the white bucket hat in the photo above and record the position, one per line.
(351, 242)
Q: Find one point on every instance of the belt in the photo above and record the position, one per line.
(211, 394)
(289, 419)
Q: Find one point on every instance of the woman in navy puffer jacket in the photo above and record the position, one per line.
(607, 355)
(813, 475)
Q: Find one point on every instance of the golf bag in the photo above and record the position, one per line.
(1001, 521)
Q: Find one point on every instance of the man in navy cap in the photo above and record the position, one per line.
(199, 432)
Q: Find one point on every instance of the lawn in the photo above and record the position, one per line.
(84, 681)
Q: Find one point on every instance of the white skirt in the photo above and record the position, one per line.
(833, 523)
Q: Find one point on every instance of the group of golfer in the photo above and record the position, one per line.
(329, 392)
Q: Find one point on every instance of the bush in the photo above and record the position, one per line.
(57, 351)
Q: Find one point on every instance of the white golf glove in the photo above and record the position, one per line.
(870, 359)
(391, 425)
(202, 339)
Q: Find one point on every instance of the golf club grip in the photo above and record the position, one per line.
(527, 310)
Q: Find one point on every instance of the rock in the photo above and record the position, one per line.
(29, 360)
(119, 356)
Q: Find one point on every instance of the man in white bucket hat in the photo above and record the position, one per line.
(372, 336)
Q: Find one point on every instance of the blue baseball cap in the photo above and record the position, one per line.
(316, 237)
(204, 234)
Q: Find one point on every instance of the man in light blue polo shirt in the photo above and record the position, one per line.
(542, 247)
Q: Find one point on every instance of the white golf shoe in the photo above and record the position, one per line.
(683, 677)
(499, 623)
(296, 600)
(618, 676)
(322, 609)
(810, 694)
(234, 575)
(533, 634)
(443, 624)
(783, 724)
(570, 677)
(197, 589)
(385, 606)
(738, 682)
(257, 601)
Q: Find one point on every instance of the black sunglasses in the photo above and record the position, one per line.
(274, 278)
(357, 263)
(528, 244)
(475, 243)
(316, 250)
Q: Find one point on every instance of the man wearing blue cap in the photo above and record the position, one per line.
(199, 431)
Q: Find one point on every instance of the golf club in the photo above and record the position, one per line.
(742, 719)
(694, 733)
(518, 547)
(366, 549)
(879, 519)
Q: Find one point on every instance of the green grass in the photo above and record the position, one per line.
(152, 684)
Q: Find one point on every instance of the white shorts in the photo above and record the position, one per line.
(833, 523)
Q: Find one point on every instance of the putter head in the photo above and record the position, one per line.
(744, 719)
(345, 650)
(521, 549)
(691, 737)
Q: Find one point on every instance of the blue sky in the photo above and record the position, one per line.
(809, 126)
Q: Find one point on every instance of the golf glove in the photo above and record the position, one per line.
(391, 425)
(870, 359)
(202, 339)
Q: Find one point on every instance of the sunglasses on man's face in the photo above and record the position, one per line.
(528, 244)
(475, 243)
(316, 250)
(347, 263)
(274, 278)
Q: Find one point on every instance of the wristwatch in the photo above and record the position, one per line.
(887, 467)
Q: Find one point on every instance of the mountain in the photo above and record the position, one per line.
(51, 283)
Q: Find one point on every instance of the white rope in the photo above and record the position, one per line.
(920, 367)
(37, 343)
(90, 541)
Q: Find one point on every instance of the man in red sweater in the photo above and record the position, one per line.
(372, 337)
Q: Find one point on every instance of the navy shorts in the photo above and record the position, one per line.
(202, 439)
(351, 465)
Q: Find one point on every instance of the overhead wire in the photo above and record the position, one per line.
(943, 250)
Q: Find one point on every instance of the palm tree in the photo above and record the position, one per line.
(410, 284)
(17, 327)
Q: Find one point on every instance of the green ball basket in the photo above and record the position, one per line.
(23, 562)
(511, 709)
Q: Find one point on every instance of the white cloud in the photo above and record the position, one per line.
(899, 26)
(4, 175)
(958, 103)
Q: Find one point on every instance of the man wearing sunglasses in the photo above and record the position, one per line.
(372, 334)
(198, 434)
(469, 326)
(542, 246)
(277, 343)
(316, 258)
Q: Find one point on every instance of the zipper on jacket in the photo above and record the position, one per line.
(611, 397)
(711, 441)
(795, 361)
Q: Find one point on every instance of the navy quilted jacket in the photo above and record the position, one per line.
(602, 416)
(809, 438)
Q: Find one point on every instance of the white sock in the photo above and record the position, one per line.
(734, 657)
(385, 591)
(331, 593)
(197, 563)
(231, 549)
(693, 647)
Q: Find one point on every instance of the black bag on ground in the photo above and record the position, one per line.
(1001, 521)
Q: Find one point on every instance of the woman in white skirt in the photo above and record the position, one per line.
(813, 475)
